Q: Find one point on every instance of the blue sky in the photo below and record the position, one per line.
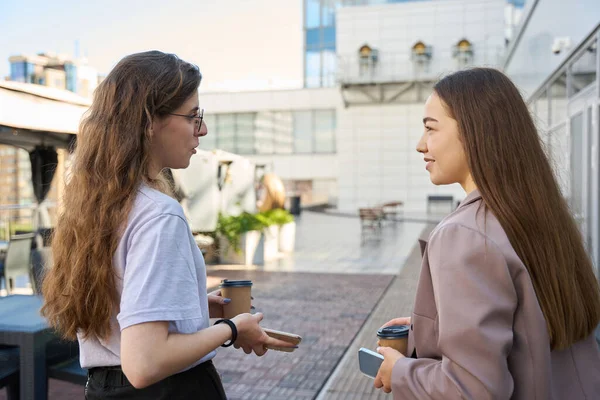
(214, 34)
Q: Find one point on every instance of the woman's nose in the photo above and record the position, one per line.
(203, 130)
(422, 144)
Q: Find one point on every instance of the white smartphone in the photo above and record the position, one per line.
(369, 362)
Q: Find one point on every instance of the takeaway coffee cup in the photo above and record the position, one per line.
(395, 336)
(240, 294)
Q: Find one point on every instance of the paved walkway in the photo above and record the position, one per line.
(347, 382)
(327, 310)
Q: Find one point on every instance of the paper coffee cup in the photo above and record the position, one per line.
(395, 336)
(240, 293)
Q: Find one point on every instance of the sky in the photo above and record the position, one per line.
(242, 44)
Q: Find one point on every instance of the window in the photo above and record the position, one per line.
(226, 130)
(320, 43)
(18, 71)
(272, 132)
(329, 67)
(283, 132)
(313, 69)
(313, 38)
(328, 10)
(325, 131)
(244, 133)
(265, 132)
(313, 13)
(558, 100)
(583, 70)
(209, 142)
(303, 126)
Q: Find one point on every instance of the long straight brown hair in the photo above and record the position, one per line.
(111, 161)
(516, 182)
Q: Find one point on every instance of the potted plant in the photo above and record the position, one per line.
(287, 228)
(239, 236)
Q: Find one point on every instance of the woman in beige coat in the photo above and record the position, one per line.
(507, 300)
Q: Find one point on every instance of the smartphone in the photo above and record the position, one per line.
(369, 362)
(285, 336)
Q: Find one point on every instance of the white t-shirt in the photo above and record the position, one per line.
(161, 277)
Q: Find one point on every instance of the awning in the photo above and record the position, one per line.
(33, 115)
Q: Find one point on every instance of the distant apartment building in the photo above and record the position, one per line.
(57, 71)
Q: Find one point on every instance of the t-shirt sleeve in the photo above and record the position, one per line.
(159, 279)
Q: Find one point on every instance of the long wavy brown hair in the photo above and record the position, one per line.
(111, 161)
(508, 164)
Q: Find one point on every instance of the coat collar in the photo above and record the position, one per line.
(471, 198)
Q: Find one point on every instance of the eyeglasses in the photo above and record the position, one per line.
(197, 120)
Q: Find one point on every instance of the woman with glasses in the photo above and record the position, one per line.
(128, 280)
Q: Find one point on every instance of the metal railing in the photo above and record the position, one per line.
(404, 67)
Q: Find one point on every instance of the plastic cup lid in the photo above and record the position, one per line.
(393, 332)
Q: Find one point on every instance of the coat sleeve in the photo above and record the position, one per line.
(476, 301)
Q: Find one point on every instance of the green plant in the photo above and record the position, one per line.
(278, 216)
(232, 227)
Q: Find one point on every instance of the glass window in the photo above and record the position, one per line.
(303, 128)
(245, 133)
(329, 38)
(328, 12)
(576, 134)
(18, 71)
(313, 69)
(312, 10)
(583, 70)
(226, 132)
(283, 132)
(329, 68)
(209, 142)
(325, 131)
(558, 100)
(540, 109)
(313, 40)
(264, 132)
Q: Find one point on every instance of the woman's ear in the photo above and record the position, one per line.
(151, 128)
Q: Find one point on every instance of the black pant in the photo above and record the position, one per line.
(200, 382)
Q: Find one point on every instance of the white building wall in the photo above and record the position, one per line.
(394, 28)
(377, 154)
(378, 161)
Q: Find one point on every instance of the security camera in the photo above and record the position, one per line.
(560, 44)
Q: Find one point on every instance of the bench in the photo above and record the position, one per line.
(391, 209)
(435, 198)
(370, 222)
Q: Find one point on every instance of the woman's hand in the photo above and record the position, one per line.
(397, 321)
(251, 337)
(215, 304)
(384, 375)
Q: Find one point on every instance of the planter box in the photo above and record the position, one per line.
(270, 242)
(255, 247)
(287, 237)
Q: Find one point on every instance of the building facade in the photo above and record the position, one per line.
(555, 62)
(349, 136)
(55, 71)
